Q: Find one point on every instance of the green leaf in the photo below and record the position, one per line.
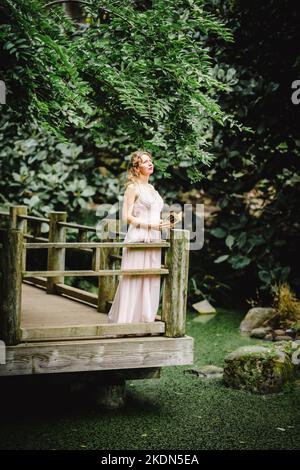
(218, 232)
(220, 259)
(229, 241)
(239, 261)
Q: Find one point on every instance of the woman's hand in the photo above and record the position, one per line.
(162, 225)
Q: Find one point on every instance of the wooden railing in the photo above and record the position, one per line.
(105, 255)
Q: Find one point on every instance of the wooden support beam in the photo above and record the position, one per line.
(95, 355)
(56, 256)
(174, 298)
(11, 285)
(107, 285)
(20, 224)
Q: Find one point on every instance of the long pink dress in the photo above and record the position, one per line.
(137, 297)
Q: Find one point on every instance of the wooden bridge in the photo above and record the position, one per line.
(51, 327)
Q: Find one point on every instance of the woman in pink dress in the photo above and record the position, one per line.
(137, 297)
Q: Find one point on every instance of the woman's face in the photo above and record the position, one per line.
(146, 167)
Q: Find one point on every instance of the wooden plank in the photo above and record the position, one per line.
(11, 285)
(174, 298)
(75, 293)
(143, 245)
(104, 272)
(87, 331)
(33, 217)
(37, 281)
(104, 354)
(56, 257)
(33, 237)
(40, 309)
(86, 228)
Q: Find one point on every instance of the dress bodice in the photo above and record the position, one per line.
(148, 207)
(148, 203)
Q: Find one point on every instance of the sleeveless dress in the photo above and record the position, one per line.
(137, 297)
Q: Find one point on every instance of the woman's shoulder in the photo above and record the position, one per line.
(132, 186)
(132, 189)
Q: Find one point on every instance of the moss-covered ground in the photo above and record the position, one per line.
(177, 411)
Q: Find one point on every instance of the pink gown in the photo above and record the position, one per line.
(137, 297)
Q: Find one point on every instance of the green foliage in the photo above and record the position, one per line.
(141, 78)
(48, 175)
(43, 85)
(254, 238)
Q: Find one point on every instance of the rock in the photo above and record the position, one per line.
(292, 349)
(283, 338)
(208, 371)
(258, 369)
(258, 333)
(279, 332)
(204, 307)
(256, 317)
(268, 329)
(269, 337)
(290, 332)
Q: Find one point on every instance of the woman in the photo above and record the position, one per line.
(137, 297)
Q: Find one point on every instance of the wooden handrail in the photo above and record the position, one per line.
(32, 217)
(79, 226)
(59, 245)
(100, 272)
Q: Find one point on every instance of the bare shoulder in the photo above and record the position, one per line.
(132, 187)
(131, 190)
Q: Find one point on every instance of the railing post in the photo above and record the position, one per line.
(11, 285)
(56, 256)
(107, 285)
(82, 235)
(175, 284)
(20, 224)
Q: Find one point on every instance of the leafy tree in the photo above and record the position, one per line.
(138, 76)
(253, 240)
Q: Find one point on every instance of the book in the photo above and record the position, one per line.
(173, 217)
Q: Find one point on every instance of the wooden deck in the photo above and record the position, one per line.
(62, 335)
(49, 317)
(48, 327)
(97, 355)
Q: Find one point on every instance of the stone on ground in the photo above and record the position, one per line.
(256, 317)
(204, 307)
(258, 369)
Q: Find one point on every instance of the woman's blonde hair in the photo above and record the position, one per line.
(133, 164)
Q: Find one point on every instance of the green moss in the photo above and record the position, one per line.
(178, 411)
(259, 369)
